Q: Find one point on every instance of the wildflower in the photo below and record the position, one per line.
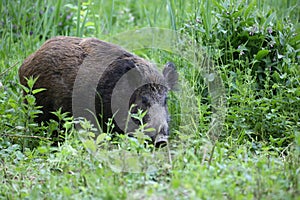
(270, 30)
(198, 20)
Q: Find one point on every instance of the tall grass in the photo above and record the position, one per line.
(253, 46)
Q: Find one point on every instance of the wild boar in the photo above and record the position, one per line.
(81, 74)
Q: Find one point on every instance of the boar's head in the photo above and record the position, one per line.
(152, 98)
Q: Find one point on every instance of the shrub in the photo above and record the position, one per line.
(257, 55)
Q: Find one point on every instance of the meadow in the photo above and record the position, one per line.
(235, 127)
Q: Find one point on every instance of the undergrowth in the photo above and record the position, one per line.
(254, 49)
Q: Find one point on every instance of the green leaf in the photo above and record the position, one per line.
(91, 134)
(30, 99)
(38, 90)
(90, 146)
(25, 89)
(249, 9)
(149, 130)
(261, 54)
(31, 81)
(100, 138)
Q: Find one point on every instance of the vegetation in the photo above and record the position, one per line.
(235, 115)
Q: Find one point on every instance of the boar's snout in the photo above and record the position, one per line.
(161, 141)
(162, 136)
(159, 118)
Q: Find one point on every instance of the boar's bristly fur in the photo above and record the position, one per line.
(60, 59)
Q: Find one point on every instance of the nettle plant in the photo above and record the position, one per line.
(19, 125)
(241, 37)
(257, 54)
(94, 139)
(128, 152)
(18, 117)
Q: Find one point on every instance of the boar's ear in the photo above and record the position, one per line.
(170, 75)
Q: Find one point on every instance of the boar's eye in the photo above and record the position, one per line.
(145, 100)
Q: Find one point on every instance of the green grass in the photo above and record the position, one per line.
(252, 152)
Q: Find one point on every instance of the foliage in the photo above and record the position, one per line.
(25, 20)
(255, 48)
(258, 55)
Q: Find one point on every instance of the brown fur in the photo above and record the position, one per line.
(57, 63)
